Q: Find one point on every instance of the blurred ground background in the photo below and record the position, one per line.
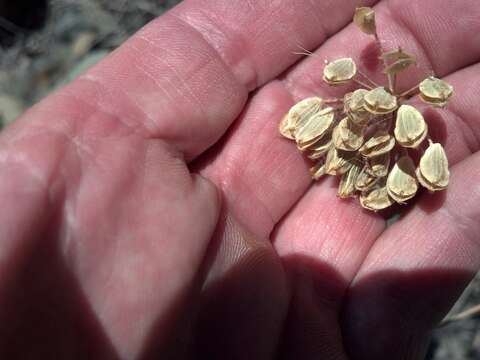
(46, 43)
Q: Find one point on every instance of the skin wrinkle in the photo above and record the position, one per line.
(216, 50)
(193, 98)
(251, 82)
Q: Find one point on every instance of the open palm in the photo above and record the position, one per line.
(110, 248)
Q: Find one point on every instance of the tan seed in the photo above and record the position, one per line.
(376, 199)
(318, 171)
(435, 92)
(337, 162)
(402, 183)
(339, 71)
(300, 113)
(364, 18)
(380, 143)
(379, 165)
(284, 128)
(320, 148)
(433, 171)
(347, 136)
(379, 101)
(410, 127)
(346, 187)
(354, 107)
(365, 181)
(315, 127)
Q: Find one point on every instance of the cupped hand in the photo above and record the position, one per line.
(151, 210)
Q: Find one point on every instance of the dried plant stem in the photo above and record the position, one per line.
(366, 77)
(391, 85)
(464, 315)
(407, 93)
(361, 83)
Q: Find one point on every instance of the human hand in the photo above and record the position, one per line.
(112, 249)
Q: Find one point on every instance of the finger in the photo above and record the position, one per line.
(184, 78)
(429, 30)
(302, 83)
(420, 265)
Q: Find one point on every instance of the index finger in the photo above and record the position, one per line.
(186, 76)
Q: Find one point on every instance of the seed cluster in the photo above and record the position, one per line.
(371, 136)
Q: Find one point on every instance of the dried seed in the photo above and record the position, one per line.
(339, 71)
(379, 165)
(318, 171)
(354, 107)
(314, 128)
(364, 18)
(398, 66)
(376, 199)
(410, 127)
(347, 136)
(380, 143)
(402, 183)
(337, 161)
(284, 128)
(397, 54)
(433, 171)
(320, 148)
(300, 113)
(398, 60)
(379, 101)
(346, 187)
(435, 92)
(365, 180)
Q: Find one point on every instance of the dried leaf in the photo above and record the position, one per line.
(435, 92)
(432, 171)
(410, 127)
(364, 18)
(315, 127)
(337, 161)
(346, 187)
(339, 71)
(376, 199)
(402, 183)
(380, 143)
(379, 101)
(347, 135)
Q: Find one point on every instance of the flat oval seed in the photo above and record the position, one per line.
(354, 107)
(402, 182)
(339, 71)
(380, 143)
(433, 168)
(337, 162)
(379, 101)
(376, 199)
(398, 66)
(364, 18)
(410, 127)
(320, 148)
(379, 165)
(365, 181)
(316, 126)
(435, 91)
(346, 188)
(347, 135)
(318, 171)
(302, 111)
(284, 128)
